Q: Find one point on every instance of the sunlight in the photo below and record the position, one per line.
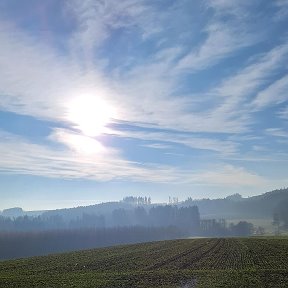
(91, 114)
(83, 144)
(86, 145)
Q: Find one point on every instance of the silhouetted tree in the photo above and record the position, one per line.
(282, 212)
(243, 228)
(141, 216)
(120, 217)
(276, 223)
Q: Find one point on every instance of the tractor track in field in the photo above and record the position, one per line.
(215, 247)
(187, 253)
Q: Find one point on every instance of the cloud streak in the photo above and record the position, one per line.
(191, 141)
(274, 94)
(32, 159)
(225, 35)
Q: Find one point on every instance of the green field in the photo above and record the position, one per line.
(232, 262)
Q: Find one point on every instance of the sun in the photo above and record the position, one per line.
(91, 114)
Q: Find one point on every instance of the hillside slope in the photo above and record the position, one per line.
(260, 206)
(234, 262)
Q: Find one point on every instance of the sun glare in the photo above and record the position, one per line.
(81, 144)
(85, 145)
(91, 114)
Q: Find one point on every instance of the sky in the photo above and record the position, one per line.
(101, 99)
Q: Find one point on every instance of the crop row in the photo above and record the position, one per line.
(230, 262)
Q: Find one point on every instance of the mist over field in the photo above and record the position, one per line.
(137, 219)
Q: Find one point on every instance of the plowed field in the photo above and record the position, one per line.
(231, 262)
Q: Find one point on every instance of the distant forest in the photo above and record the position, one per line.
(25, 236)
(185, 218)
(135, 219)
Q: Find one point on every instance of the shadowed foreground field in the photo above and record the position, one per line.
(234, 262)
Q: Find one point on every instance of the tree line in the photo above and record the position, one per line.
(28, 236)
(185, 218)
(220, 228)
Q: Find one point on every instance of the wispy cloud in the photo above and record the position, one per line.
(96, 20)
(236, 94)
(225, 35)
(157, 146)
(278, 132)
(257, 73)
(188, 140)
(26, 60)
(23, 157)
(229, 175)
(274, 94)
(282, 13)
(33, 159)
(283, 113)
(220, 43)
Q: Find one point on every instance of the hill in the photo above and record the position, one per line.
(230, 262)
(231, 207)
(260, 206)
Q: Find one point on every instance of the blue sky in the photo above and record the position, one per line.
(104, 99)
